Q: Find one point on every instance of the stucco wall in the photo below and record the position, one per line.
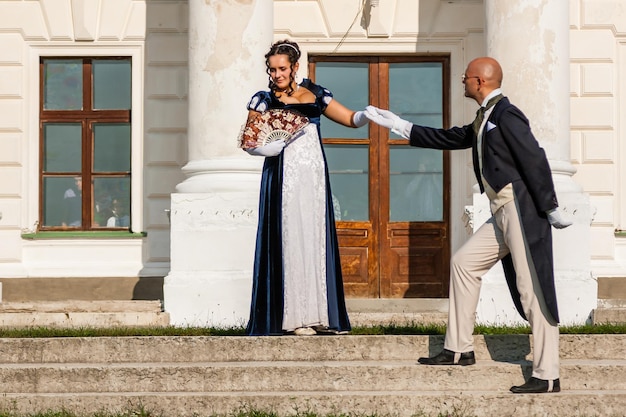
(155, 34)
(598, 92)
(34, 29)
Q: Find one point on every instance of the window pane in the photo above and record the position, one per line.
(62, 201)
(415, 93)
(349, 174)
(349, 84)
(111, 147)
(415, 184)
(111, 84)
(111, 196)
(63, 84)
(62, 147)
(416, 175)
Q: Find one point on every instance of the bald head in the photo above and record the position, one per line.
(488, 69)
(487, 73)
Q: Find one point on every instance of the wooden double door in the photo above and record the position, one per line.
(391, 201)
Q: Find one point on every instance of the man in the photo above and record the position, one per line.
(512, 169)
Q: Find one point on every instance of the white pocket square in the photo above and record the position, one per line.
(490, 126)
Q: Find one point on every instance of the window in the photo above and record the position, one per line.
(409, 181)
(85, 142)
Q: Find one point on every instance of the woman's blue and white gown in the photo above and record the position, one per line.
(297, 278)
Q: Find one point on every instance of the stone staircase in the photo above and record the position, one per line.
(352, 375)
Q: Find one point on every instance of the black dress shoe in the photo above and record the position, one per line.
(447, 357)
(537, 386)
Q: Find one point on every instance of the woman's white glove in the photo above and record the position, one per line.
(557, 220)
(387, 119)
(359, 119)
(271, 149)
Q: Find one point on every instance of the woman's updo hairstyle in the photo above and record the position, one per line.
(285, 47)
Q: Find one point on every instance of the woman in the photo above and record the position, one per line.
(297, 283)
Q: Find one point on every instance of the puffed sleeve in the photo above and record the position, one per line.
(260, 101)
(327, 97)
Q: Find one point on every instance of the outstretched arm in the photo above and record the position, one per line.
(422, 136)
(339, 113)
(390, 120)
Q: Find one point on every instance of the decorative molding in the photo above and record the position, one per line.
(85, 19)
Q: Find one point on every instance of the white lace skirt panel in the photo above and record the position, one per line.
(304, 233)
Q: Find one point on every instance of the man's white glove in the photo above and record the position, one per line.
(557, 220)
(359, 119)
(271, 149)
(387, 119)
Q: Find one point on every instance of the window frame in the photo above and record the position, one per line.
(87, 117)
(31, 186)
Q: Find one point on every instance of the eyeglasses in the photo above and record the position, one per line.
(465, 77)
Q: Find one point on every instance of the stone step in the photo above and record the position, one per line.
(83, 313)
(609, 315)
(131, 313)
(186, 376)
(588, 403)
(190, 349)
(399, 312)
(611, 311)
(297, 376)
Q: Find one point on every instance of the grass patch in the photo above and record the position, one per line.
(390, 329)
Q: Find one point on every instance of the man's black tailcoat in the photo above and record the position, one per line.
(510, 155)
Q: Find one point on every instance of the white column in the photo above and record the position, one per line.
(530, 39)
(214, 211)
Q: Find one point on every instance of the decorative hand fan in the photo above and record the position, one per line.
(271, 125)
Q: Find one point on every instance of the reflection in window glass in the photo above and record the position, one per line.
(415, 184)
(349, 174)
(111, 84)
(62, 201)
(111, 197)
(63, 84)
(415, 93)
(349, 84)
(416, 174)
(111, 147)
(62, 143)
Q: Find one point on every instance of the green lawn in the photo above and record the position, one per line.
(414, 329)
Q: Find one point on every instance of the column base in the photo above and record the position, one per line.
(213, 235)
(218, 299)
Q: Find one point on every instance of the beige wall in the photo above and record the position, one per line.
(154, 32)
(598, 128)
(28, 31)
(165, 116)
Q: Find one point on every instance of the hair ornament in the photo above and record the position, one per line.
(289, 45)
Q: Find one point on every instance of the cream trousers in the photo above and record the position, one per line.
(500, 235)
